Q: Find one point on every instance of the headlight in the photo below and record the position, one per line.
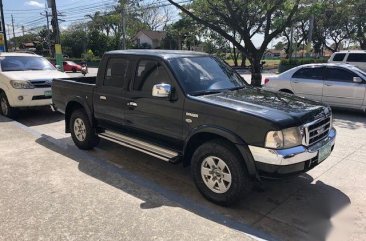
(284, 139)
(18, 84)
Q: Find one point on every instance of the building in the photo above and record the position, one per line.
(152, 39)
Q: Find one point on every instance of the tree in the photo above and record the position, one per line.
(74, 41)
(245, 18)
(279, 45)
(358, 21)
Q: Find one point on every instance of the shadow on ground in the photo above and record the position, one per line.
(349, 119)
(290, 209)
(37, 116)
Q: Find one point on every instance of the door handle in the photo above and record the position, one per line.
(102, 97)
(132, 104)
(328, 84)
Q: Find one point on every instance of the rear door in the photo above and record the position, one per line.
(108, 99)
(357, 59)
(308, 82)
(340, 90)
(154, 118)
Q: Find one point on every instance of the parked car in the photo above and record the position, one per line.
(339, 85)
(70, 66)
(183, 106)
(25, 81)
(353, 57)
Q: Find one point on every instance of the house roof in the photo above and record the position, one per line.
(165, 54)
(158, 35)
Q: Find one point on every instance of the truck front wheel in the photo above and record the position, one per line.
(82, 133)
(219, 172)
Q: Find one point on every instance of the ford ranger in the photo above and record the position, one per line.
(182, 106)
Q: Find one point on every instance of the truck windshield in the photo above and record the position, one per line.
(205, 75)
(24, 63)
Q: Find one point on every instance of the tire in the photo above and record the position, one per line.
(5, 108)
(82, 133)
(213, 163)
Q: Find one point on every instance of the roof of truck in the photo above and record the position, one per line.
(166, 54)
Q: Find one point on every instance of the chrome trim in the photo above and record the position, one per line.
(139, 145)
(306, 137)
(291, 155)
(161, 90)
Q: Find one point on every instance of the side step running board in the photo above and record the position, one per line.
(152, 150)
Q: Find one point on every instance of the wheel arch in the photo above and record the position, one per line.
(285, 90)
(205, 134)
(73, 105)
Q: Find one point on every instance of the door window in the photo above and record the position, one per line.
(148, 74)
(338, 57)
(337, 74)
(309, 73)
(116, 72)
(356, 57)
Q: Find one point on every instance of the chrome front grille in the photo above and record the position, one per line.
(317, 130)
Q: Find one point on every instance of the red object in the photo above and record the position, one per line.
(266, 81)
(71, 66)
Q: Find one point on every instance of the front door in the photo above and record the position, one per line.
(108, 99)
(340, 90)
(155, 118)
(308, 82)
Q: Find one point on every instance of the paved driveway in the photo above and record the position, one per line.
(330, 200)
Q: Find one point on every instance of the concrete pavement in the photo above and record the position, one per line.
(329, 201)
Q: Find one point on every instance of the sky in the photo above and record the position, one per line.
(27, 13)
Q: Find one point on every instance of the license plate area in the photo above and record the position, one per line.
(324, 152)
(48, 93)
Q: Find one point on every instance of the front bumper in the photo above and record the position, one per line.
(293, 160)
(30, 97)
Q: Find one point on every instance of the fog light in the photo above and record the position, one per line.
(20, 97)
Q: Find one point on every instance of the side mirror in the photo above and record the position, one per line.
(162, 90)
(357, 80)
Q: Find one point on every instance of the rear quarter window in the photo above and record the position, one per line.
(338, 57)
(359, 57)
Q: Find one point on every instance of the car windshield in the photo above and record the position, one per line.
(360, 72)
(24, 63)
(204, 75)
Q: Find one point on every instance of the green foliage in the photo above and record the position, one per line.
(287, 64)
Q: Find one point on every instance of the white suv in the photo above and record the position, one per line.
(354, 57)
(25, 81)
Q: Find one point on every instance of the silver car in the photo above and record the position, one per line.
(339, 85)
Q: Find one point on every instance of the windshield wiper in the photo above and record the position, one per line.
(238, 87)
(205, 92)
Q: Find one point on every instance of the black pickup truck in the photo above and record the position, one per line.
(191, 107)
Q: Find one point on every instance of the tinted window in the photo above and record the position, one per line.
(356, 57)
(116, 72)
(24, 63)
(198, 74)
(148, 74)
(338, 57)
(343, 75)
(309, 73)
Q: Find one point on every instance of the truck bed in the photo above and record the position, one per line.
(76, 88)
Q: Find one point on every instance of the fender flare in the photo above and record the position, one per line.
(237, 141)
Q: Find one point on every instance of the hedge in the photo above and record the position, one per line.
(287, 64)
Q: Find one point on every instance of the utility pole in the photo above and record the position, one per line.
(123, 19)
(23, 30)
(3, 25)
(48, 33)
(14, 40)
(54, 22)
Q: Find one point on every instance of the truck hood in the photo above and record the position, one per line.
(284, 110)
(34, 75)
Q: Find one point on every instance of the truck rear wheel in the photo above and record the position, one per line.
(219, 172)
(82, 133)
(5, 108)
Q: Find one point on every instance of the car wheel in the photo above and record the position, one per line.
(82, 132)
(5, 107)
(219, 172)
(73, 70)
